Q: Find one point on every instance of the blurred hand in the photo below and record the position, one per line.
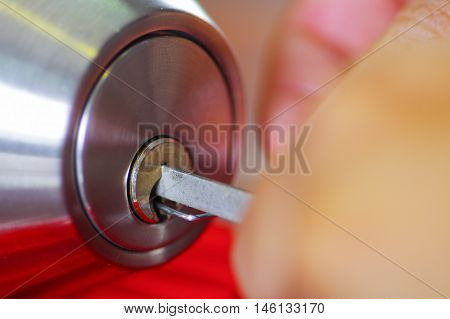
(373, 218)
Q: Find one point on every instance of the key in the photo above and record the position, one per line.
(208, 196)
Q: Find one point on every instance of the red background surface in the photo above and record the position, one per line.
(29, 268)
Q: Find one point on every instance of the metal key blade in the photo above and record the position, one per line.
(203, 194)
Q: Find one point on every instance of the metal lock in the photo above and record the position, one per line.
(173, 80)
(160, 81)
(83, 100)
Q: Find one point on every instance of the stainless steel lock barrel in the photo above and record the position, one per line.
(78, 79)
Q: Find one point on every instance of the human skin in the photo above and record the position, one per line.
(372, 218)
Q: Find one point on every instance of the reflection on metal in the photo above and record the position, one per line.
(25, 16)
(41, 120)
(176, 212)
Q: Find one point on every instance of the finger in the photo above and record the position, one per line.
(377, 181)
(421, 20)
(319, 38)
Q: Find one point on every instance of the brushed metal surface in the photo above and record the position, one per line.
(52, 53)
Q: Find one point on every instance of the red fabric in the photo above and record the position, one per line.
(202, 271)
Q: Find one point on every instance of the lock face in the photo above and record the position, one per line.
(156, 85)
